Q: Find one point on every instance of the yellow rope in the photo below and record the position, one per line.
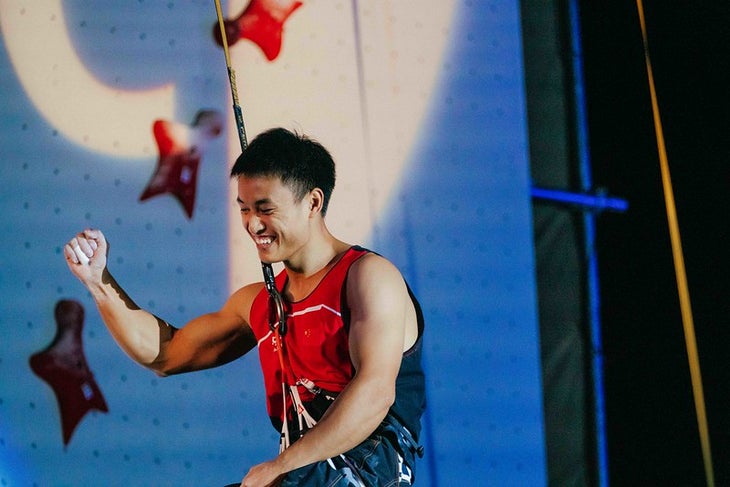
(238, 114)
(684, 301)
(224, 38)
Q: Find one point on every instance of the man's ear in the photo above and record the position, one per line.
(316, 201)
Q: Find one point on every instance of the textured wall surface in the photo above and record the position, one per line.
(422, 105)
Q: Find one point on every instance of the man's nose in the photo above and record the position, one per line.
(254, 224)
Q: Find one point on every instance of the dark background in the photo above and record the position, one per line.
(652, 429)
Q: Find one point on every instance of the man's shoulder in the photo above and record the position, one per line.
(373, 266)
(244, 297)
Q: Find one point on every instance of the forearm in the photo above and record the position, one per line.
(139, 333)
(356, 413)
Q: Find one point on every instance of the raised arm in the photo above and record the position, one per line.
(206, 341)
(383, 324)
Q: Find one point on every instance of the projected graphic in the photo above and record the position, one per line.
(97, 115)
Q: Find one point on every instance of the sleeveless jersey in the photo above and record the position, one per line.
(316, 351)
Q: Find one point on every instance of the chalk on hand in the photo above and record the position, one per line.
(83, 258)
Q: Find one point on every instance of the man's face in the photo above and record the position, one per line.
(277, 223)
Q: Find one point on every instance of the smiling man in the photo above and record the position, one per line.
(342, 370)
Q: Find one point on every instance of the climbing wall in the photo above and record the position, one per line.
(421, 104)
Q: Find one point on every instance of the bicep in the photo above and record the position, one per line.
(211, 339)
(377, 298)
(207, 341)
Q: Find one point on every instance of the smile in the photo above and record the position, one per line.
(263, 241)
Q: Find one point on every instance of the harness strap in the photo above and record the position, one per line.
(284, 440)
(306, 421)
(404, 436)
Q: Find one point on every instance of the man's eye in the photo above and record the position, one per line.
(245, 210)
(267, 211)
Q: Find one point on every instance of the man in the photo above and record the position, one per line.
(342, 371)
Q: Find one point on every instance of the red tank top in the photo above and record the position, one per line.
(315, 344)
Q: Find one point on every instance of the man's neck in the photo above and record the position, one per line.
(320, 257)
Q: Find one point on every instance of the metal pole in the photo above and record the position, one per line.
(581, 125)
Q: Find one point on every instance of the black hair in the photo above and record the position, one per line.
(298, 161)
